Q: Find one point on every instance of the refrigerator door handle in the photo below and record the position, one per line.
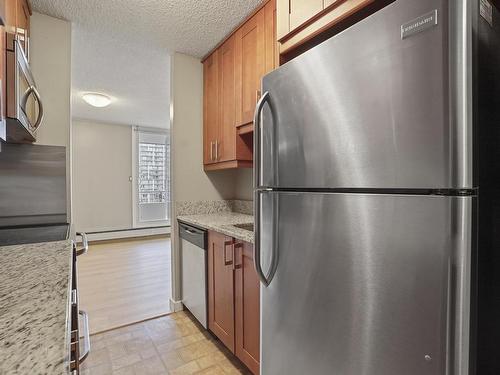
(265, 279)
(257, 138)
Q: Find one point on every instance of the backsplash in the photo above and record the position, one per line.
(243, 207)
(211, 207)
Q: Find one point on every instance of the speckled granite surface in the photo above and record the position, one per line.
(202, 207)
(210, 207)
(222, 222)
(34, 315)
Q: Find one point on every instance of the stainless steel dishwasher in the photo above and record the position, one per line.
(194, 271)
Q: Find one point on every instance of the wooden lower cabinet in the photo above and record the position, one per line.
(234, 297)
(221, 288)
(247, 307)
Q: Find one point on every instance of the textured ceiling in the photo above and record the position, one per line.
(136, 76)
(188, 26)
(121, 48)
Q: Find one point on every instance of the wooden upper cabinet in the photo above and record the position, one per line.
(247, 307)
(256, 56)
(23, 14)
(10, 16)
(270, 44)
(300, 11)
(221, 288)
(226, 142)
(250, 44)
(232, 83)
(298, 21)
(17, 22)
(210, 107)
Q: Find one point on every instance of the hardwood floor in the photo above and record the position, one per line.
(125, 282)
(174, 344)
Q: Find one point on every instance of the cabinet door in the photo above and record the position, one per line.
(302, 10)
(10, 18)
(226, 142)
(23, 25)
(270, 44)
(210, 107)
(247, 307)
(221, 288)
(250, 41)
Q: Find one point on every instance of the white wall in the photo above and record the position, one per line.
(50, 54)
(189, 181)
(102, 165)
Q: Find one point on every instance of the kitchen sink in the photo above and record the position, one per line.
(245, 226)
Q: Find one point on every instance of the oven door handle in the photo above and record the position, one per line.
(85, 243)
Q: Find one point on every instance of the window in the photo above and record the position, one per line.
(152, 178)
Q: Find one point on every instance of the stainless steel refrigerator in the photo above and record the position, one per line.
(366, 197)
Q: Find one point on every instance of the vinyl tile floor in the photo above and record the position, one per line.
(174, 344)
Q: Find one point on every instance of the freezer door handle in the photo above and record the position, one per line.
(265, 279)
(257, 149)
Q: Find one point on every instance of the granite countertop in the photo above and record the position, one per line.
(35, 282)
(222, 222)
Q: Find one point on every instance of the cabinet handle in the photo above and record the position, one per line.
(211, 151)
(257, 95)
(237, 265)
(217, 150)
(228, 262)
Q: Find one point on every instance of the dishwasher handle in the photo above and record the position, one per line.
(194, 235)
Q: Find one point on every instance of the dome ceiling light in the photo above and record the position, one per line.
(96, 99)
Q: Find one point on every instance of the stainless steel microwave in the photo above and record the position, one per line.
(24, 104)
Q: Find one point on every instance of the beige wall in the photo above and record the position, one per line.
(50, 54)
(189, 181)
(102, 165)
(243, 188)
(50, 49)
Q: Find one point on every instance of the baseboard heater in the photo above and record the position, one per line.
(127, 233)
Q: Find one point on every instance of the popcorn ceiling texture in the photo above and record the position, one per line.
(192, 27)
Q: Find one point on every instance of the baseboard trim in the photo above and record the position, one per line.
(176, 306)
(129, 233)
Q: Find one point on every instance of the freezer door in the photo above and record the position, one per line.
(372, 109)
(365, 284)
